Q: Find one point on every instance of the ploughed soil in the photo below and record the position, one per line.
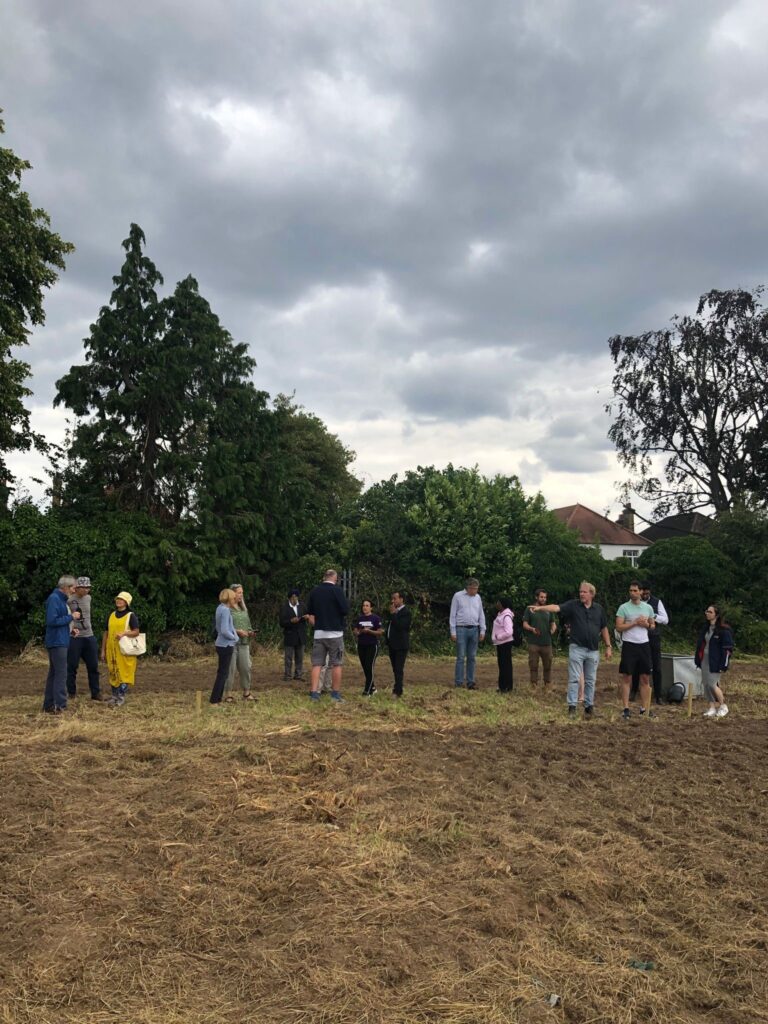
(454, 857)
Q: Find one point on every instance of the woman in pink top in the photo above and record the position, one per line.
(502, 636)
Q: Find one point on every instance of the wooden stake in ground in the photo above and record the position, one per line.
(690, 698)
(199, 702)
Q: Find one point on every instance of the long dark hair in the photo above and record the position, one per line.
(504, 602)
(718, 615)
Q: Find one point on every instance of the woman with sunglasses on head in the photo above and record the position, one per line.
(713, 654)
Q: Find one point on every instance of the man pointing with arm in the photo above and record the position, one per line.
(588, 624)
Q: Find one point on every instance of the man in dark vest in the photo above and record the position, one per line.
(398, 637)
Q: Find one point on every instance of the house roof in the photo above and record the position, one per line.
(592, 527)
(684, 524)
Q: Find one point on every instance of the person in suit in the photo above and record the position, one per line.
(398, 637)
(293, 619)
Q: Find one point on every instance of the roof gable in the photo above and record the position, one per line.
(591, 527)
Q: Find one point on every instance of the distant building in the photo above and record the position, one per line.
(684, 524)
(615, 540)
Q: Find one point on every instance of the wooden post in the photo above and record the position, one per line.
(690, 698)
(199, 702)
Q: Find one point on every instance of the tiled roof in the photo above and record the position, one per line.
(592, 527)
(685, 524)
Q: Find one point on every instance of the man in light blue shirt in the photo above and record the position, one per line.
(467, 622)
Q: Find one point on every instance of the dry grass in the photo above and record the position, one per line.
(408, 863)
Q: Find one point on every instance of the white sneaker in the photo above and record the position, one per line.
(710, 713)
(722, 711)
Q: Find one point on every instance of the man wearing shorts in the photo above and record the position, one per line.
(633, 620)
(327, 608)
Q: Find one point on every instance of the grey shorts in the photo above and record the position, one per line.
(330, 647)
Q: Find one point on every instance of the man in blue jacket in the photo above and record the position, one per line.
(58, 625)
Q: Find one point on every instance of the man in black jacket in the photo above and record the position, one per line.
(293, 619)
(327, 607)
(398, 638)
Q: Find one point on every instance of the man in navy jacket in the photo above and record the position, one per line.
(327, 607)
(58, 628)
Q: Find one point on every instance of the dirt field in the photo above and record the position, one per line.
(454, 857)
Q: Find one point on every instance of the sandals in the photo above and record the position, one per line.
(248, 696)
(229, 700)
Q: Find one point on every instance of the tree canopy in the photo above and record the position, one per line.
(30, 257)
(696, 395)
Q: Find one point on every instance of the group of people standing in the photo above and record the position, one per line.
(637, 626)
(70, 640)
(326, 610)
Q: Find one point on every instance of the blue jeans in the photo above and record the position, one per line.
(582, 659)
(56, 683)
(467, 639)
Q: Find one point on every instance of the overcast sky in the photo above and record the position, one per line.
(426, 218)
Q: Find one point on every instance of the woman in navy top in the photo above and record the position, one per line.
(367, 628)
(713, 656)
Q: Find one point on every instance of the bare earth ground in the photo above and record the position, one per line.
(455, 857)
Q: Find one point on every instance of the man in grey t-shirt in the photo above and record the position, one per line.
(84, 646)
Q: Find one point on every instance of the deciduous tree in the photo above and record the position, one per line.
(696, 396)
(30, 257)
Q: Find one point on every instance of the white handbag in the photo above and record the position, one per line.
(133, 646)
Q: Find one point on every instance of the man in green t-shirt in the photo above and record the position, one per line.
(539, 628)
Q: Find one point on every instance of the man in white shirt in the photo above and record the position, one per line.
(635, 620)
(467, 622)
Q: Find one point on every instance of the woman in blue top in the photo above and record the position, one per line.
(713, 654)
(226, 638)
(367, 628)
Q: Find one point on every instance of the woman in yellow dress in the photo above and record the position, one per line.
(122, 668)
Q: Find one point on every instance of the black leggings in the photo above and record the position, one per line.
(225, 657)
(367, 653)
(504, 658)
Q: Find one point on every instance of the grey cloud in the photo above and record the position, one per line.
(526, 178)
(445, 396)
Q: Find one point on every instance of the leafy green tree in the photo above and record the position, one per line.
(688, 573)
(742, 535)
(316, 490)
(696, 396)
(470, 526)
(30, 256)
(431, 529)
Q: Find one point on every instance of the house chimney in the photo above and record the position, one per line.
(627, 518)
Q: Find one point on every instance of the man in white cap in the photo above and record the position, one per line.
(84, 646)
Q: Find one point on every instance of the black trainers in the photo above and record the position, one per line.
(588, 710)
(572, 710)
(626, 713)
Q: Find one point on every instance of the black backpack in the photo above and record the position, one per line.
(676, 693)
